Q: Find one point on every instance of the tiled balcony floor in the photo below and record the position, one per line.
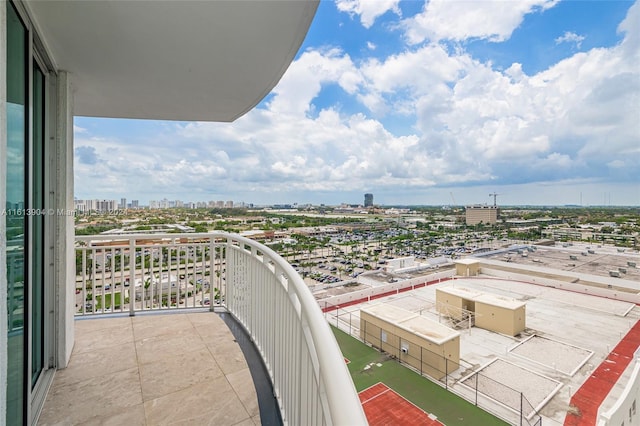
(172, 369)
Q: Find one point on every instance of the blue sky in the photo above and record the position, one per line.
(416, 102)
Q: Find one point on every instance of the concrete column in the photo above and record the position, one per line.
(64, 260)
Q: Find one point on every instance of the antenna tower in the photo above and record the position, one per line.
(495, 196)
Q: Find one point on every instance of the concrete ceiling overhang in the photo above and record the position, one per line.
(186, 60)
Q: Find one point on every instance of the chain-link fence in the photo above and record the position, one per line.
(505, 395)
(436, 363)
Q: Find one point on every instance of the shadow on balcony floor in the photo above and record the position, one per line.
(269, 412)
(154, 370)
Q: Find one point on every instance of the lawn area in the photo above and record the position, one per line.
(450, 408)
(107, 300)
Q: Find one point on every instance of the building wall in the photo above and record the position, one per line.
(452, 305)
(433, 359)
(625, 410)
(400, 263)
(499, 319)
(485, 214)
(64, 239)
(466, 270)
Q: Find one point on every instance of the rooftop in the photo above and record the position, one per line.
(389, 313)
(592, 261)
(429, 329)
(567, 336)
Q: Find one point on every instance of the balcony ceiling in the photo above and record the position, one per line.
(174, 60)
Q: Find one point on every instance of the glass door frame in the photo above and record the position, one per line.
(39, 388)
(35, 392)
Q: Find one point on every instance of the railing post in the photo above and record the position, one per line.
(132, 277)
(84, 281)
(212, 273)
(477, 389)
(446, 373)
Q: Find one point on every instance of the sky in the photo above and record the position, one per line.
(418, 103)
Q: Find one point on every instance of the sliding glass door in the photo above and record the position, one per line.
(29, 297)
(16, 223)
(37, 222)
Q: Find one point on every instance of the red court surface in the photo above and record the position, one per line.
(384, 407)
(586, 401)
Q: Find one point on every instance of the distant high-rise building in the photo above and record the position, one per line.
(106, 205)
(135, 204)
(368, 200)
(123, 203)
(228, 204)
(95, 205)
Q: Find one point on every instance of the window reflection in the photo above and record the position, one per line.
(15, 220)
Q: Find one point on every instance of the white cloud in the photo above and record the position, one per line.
(629, 27)
(575, 123)
(368, 10)
(570, 37)
(304, 78)
(461, 20)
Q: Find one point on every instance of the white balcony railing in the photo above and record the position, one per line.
(260, 289)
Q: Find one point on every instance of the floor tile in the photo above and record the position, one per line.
(207, 403)
(177, 372)
(100, 396)
(94, 363)
(242, 384)
(153, 370)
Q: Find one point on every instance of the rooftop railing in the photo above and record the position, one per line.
(163, 272)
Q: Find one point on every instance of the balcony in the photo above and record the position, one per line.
(151, 347)
(153, 369)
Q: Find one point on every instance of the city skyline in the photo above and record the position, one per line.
(114, 204)
(538, 103)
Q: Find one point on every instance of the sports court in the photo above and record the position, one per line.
(384, 407)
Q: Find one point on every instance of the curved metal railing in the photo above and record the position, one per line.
(259, 288)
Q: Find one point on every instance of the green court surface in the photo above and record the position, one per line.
(430, 397)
